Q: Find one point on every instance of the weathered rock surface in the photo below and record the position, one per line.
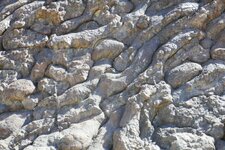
(19, 89)
(112, 75)
(218, 53)
(183, 73)
(183, 139)
(12, 122)
(107, 49)
(21, 38)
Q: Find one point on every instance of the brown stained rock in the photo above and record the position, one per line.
(218, 53)
(49, 15)
(19, 89)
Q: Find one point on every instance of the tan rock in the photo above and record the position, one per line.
(19, 89)
(50, 15)
(218, 53)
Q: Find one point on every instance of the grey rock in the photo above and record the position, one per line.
(122, 61)
(183, 138)
(80, 135)
(107, 49)
(3, 108)
(31, 102)
(42, 113)
(40, 148)
(121, 7)
(104, 138)
(199, 54)
(112, 74)
(56, 72)
(44, 58)
(19, 90)
(205, 83)
(91, 25)
(71, 96)
(82, 39)
(69, 6)
(187, 114)
(51, 87)
(75, 114)
(128, 136)
(72, 24)
(207, 43)
(5, 24)
(18, 60)
(110, 85)
(8, 76)
(220, 144)
(3, 145)
(30, 131)
(20, 38)
(38, 70)
(12, 6)
(8, 125)
(191, 52)
(183, 73)
(46, 142)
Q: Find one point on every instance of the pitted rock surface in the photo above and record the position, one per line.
(112, 75)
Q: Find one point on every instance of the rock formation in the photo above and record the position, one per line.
(112, 75)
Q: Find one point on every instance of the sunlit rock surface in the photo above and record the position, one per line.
(112, 75)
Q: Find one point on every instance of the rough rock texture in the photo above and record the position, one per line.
(112, 75)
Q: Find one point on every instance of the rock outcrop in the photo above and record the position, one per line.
(112, 75)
